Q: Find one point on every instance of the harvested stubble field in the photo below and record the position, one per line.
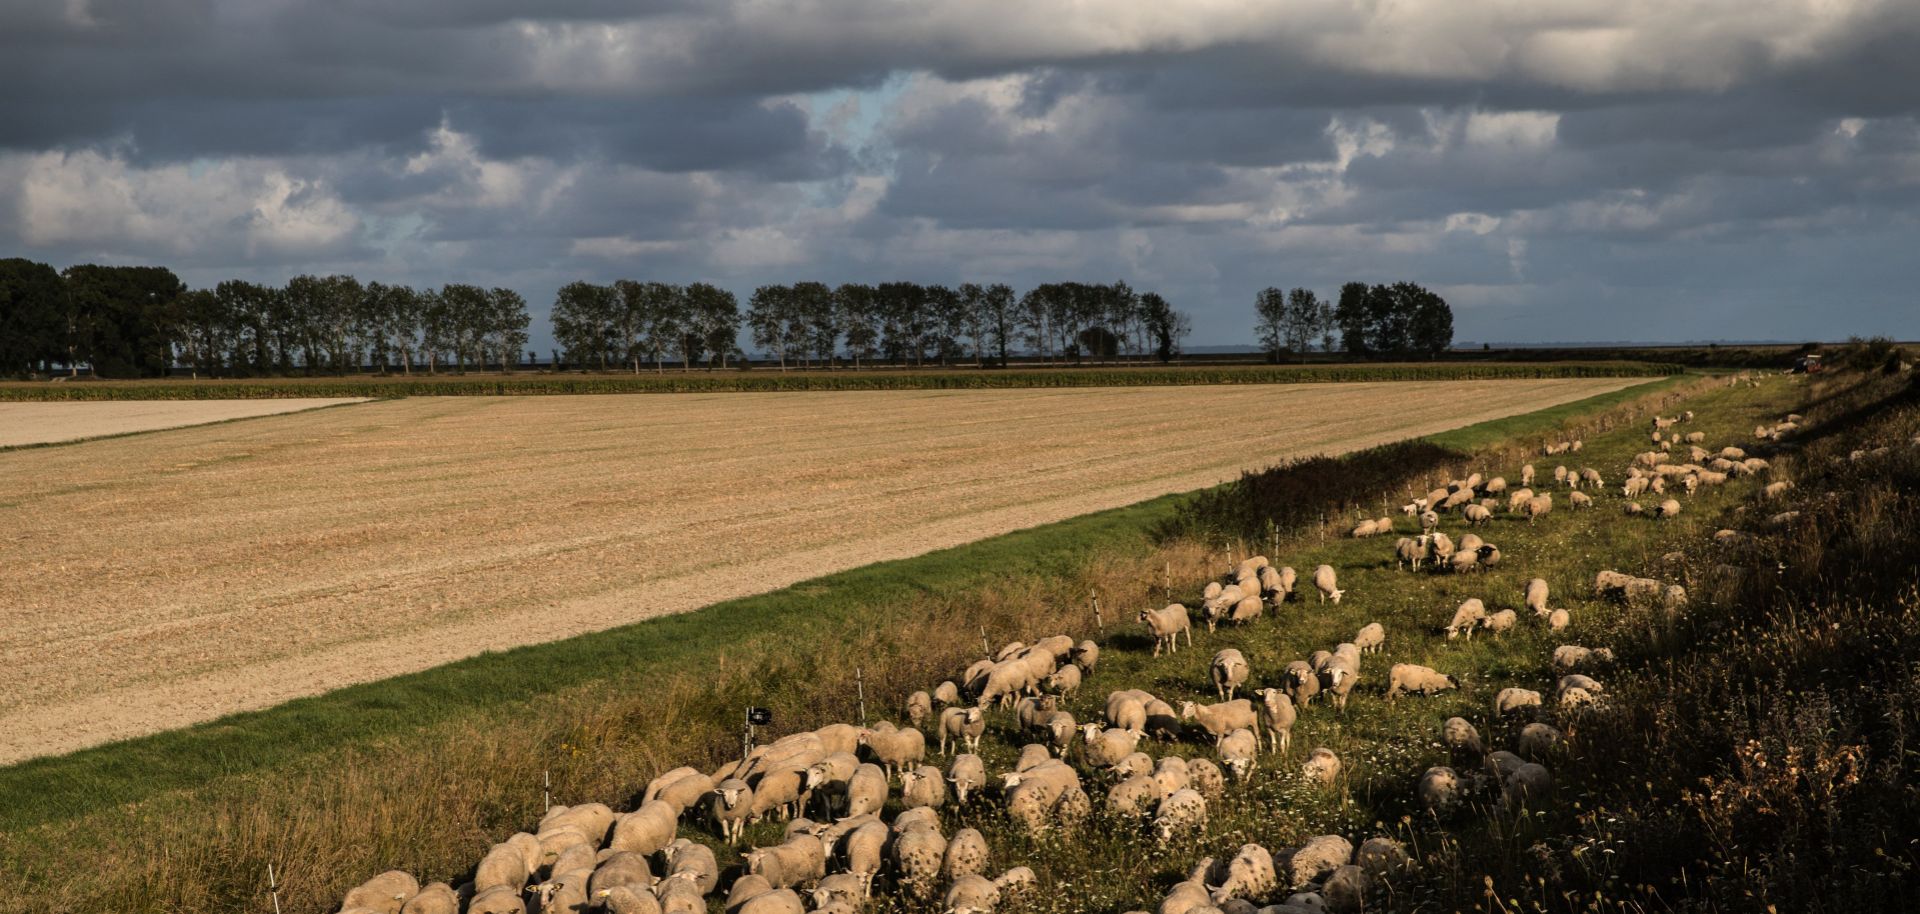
(160, 580)
(26, 423)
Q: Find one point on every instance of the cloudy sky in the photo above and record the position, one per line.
(1558, 169)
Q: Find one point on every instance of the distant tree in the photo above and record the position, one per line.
(585, 317)
(856, 309)
(1302, 321)
(400, 323)
(1324, 326)
(770, 318)
(1430, 320)
(505, 332)
(999, 319)
(1350, 314)
(121, 320)
(1035, 321)
(714, 323)
(32, 315)
(817, 321)
(250, 306)
(205, 331)
(903, 319)
(946, 323)
(1165, 326)
(1270, 321)
(467, 309)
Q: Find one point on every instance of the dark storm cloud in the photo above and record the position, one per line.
(1561, 167)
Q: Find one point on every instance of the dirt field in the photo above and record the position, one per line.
(46, 423)
(161, 580)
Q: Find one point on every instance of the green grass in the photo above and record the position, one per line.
(770, 380)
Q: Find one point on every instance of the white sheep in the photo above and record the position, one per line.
(1325, 580)
(1462, 740)
(1439, 790)
(1322, 766)
(1228, 671)
(962, 725)
(1166, 624)
(1182, 812)
(1466, 618)
(1371, 639)
(1514, 698)
(1500, 622)
(1277, 715)
(1411, 677)
(1238, 752)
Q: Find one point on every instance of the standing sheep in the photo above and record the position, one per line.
(1277, 714)
(1182, 812)
(1469, 616)
(1410, 677)
(1229, 672)
(1239, 753)
(1371, 639)
(962, 725)
(1324, 579)
(1166, 624)
(1537, 596)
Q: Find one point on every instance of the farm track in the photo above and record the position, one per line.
(24, 424)
(172, 578)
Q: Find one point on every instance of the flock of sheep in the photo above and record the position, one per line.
(833, 787)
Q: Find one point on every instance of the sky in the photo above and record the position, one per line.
(1559, 170)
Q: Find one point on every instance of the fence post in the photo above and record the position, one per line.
(546, 790)
(1099, 623)
(985, 648)
(860, 687)
(273, 886)
(1166, 589)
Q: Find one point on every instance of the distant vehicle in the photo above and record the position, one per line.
(1808, 364)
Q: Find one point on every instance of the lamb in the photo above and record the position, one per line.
(1166, 625)
(1500, 622)
(1527, 787)
(1462, 740)
(1239, 753)
(1559, 619)
(1536, 507)
(1322, 766)
(1324, 581)
(1477, 514)
(385, 893)
(1229, 672)
(1439, 791)
(1086, 655)
(1526, 475)
(1538, 742)
(967, 854)
(1222, 718)
(923, 786)
(1470, 615)
(1371, 639)
(1317, 858)
(1181, 812)
(1301, 682)
(963, 725)
(1277, 715)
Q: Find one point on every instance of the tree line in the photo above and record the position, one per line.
(142, 321)
(631, 324)
(1398, 320)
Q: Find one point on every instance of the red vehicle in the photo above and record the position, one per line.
(1808, 364)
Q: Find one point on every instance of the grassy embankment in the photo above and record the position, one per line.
(772, 380)
(422, 771)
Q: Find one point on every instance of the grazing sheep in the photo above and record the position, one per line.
(677, 896)
(1500, 622)
(1559, 619)
(1382, 857)
(1317, 858)
(1409, 551)
(1371, 639)
(1300, 681)
(1538, 742)
(866, 790)
(497, 899)
(1560, 476)
(1439, 791)
(1366, 528)
(1324, 581)
(1135, 796)
(1477, 514)
(972, 894)
(1528, 787)
(1238, 752)
(1105, 748)
(918, 854)
(1536, 598)
(693, 862)
(1526, 475)
(1495, 486)
(649, 829)
(1579, 500)
(1126, 711)
(438, 898)
(1668, 509)
(1277, 715)
(827, 779)
(967, 773)
(1469, 616)
(1181, 812)
(1086, 655)
(1287, 577)
(1322, 766)
(923, 786)
(1411, 677)
(1537, 506)
(1065, 680)
(962, 725)
(919, 708)
(967, 855)
(385, 893)
(1462, 740)
(1166, 625)
(1059, 728)
(1569, 657)
(896, 749)
(947, 693)
(1512, 699)
(1229, 672)
(800, 859)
